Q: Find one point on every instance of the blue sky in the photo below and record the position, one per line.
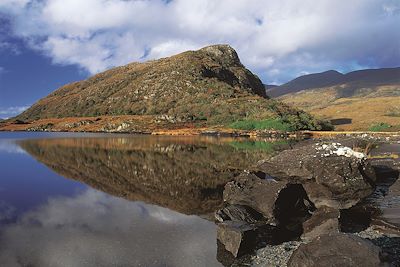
(47, 43)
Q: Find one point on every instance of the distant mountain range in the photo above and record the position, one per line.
(357, 79)
(354, 101)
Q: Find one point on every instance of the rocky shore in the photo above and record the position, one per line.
(326, 203)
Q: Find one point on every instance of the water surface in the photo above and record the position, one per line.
(115, 200)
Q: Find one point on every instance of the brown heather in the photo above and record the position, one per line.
(209, 85)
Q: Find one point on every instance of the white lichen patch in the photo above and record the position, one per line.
(326, 150)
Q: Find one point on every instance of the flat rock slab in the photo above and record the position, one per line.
(337, 250)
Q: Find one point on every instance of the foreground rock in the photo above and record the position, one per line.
(274, 210)
(238, 238)
(300, 195)
(272, 199)
(337, 250)
(325, 220)
(332, 175)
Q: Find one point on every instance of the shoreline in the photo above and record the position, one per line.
(149, 125)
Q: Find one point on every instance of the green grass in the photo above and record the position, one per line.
(256, 145)
(379, 127)
(270, 124)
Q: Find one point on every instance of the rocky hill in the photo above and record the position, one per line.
(209, 85)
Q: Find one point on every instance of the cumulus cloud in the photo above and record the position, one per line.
(94, 229)
(8, 112)
(277, 39)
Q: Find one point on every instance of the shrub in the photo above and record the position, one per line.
(393, 112)
(269, 124)
(256, 145)
(380, 127)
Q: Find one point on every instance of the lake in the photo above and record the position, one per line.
(115, 200)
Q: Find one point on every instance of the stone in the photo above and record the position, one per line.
(277, 201)
(238, 213)
(340, 173)
(323, 221)
(238, 238)
(337, 250)
(251, 191)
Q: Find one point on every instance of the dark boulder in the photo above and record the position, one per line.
(337, 250)
(323, 221)
(238, 213)
(260, 195)
(237, 237)
(336, 175)
(279, 202)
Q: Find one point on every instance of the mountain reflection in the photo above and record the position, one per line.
(183, 174)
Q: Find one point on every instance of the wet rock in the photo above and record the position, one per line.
(336, 176)
(323, 221)
(237, 237)
(389, 244)
(238, 213)
(388, 218)
(337, 250)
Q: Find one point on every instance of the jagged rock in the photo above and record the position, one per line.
(282, 206)
(323, 221)
(337, 250)
(278, 201)
(238, 237)
(251, 191)
(332, 175)
(238, 213)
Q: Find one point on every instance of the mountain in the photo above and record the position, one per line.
(309, 81)
(270, 86)
(359, 100)
(352, 80)
(209, 85)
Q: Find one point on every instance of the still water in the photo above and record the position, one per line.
(115, 200)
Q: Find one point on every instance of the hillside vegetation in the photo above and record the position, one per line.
(208, 86)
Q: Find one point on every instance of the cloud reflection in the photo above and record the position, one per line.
(9, 146)
(94, 229)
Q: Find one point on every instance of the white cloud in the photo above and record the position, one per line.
(288, 36)
(11, 111)
(94, 229)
